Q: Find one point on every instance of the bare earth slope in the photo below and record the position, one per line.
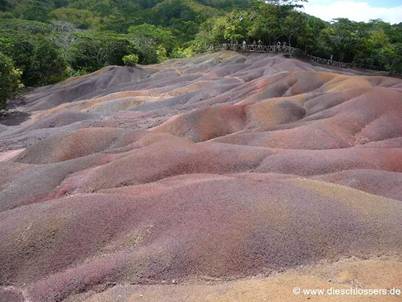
(219, 178)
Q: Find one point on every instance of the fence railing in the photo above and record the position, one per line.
(279, 49)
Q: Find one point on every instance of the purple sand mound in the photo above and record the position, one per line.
(224, 165)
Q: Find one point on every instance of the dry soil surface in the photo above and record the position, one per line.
(223, 177)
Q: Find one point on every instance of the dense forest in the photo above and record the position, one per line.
(45, 41)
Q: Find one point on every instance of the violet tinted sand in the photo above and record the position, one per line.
(226, 176)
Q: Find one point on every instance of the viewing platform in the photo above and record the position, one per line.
(279, 48)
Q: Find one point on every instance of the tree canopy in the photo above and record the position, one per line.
(373, 45)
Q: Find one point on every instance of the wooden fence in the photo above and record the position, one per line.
(279, 49)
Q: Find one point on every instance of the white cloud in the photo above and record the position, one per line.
(353, 10)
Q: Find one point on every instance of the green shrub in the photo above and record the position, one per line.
(130, 60)
(181, 52)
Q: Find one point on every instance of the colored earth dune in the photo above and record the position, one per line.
(224, 177)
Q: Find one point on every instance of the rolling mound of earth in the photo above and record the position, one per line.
(225, 177)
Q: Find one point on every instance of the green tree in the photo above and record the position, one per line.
(396, 65)
(38, 58)
(34, 9)
(308, 40)
(93, 50)
(9, 79)
(376, 51)
(153, 43)
(182, 16)
(4, 5)
(294, 26)
(237, 26)
(47, 65)
(81, 18)
(154, 35)
(341, 39)
(212, 32)
(265, 25)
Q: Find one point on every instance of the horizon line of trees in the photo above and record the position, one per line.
(45, 41)
(373, 45)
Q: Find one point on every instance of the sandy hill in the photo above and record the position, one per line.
(219, 178)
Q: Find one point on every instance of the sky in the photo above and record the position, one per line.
(356, 10)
